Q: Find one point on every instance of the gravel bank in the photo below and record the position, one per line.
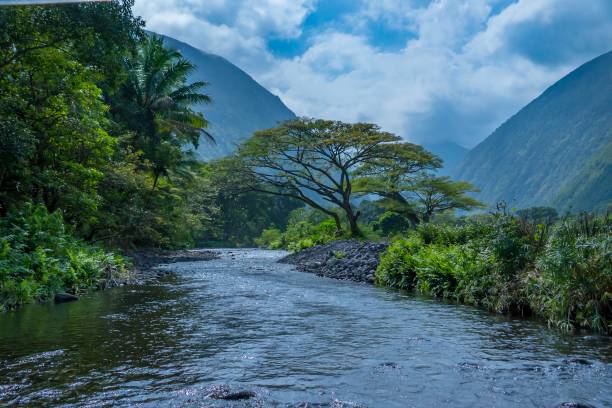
(145, 262)
(345, 260)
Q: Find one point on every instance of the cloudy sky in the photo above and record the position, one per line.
(429, 70)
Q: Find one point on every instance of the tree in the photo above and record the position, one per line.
(243, 213)
(316, 161)
(438, 194)
(406, 186)
(157, 104)
(391, 177)
(98, 34)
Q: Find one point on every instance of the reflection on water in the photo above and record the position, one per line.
(247, 322)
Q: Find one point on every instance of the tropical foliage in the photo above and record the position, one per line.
(39, 257)
(96, 117)
(507, 264)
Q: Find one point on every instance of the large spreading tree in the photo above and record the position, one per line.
(318, 161)
(415, 191)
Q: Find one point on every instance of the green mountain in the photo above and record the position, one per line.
(556, 151)
(450, 152)
(240, 105)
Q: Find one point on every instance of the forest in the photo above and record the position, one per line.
(97, 161)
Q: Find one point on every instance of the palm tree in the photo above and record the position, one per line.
(160, 105)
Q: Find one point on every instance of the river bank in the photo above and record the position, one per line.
(146, 262)
(145, 268)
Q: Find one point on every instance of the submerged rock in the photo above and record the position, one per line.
(345, 260)
(65, 297)
(223, 392)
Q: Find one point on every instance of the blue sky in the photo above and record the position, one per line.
(428, 70)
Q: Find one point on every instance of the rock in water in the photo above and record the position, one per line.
(223, 392)
(65, 297)
(239, 395)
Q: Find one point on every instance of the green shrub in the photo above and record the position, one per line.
(572, 283)
(509, 264)
(437, 270)
(39, 258)
(304, 235)
(448, 234)
(398, 264)
(299, 235)
(391, 223)
(271, 238)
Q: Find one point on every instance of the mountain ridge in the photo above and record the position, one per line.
(536, 155)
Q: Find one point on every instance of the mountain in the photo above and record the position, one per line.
(451, 154)
(556, 151)
(239, 105)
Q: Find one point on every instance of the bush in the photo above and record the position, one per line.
(508, 264)
(305, 235)
(391, 223)
(39, 258)
(299, 235)
(398, 264)
(271, 238)
(572, 283)
(448, 234)
(437, 270)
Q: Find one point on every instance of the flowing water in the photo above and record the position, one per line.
(246, 322)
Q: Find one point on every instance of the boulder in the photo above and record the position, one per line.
(65, 297)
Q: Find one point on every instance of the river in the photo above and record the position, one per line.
(246, 322)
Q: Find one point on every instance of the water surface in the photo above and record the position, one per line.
(249, 323)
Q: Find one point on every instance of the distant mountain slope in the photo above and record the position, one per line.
(240, 105)
(555, 151)
(451, 153)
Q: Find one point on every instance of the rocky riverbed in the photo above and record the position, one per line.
(344, 260)
(145, 262)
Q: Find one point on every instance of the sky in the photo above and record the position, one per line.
(427, 70)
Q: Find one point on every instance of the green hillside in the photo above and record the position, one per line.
(240, 105)
(556, 150)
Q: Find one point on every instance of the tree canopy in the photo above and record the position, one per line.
(317, 162)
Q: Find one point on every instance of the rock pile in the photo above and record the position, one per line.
(345, 260)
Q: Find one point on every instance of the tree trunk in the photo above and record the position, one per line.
(413, 218)
(155, 179)
(338, 224)
(352, 219)
(355, 231)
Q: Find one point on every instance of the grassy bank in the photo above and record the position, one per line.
(39, 257)
(561, 273)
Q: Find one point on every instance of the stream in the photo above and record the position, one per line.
(245, 322)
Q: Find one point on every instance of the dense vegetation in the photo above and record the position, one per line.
(505, 263)
(97, 143)
(556, 151)
(39, 257)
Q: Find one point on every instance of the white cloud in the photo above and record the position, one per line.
(466, 66)
(235, 29)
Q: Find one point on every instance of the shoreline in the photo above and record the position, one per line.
(145, 262)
